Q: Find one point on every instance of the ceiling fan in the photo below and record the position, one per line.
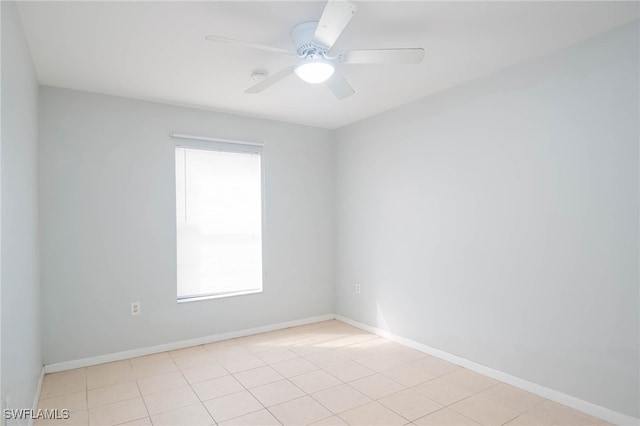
(313, 42)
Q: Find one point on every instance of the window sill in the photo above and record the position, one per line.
(217, 296)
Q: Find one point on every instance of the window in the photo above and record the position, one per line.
(219, 220)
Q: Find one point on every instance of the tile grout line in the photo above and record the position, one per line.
(323, 369)
(288, 380)
(86, 391)
(248, 390)
(143, 401)
(245, 390)
(194, 391)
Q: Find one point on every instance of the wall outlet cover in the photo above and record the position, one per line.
(136, 308)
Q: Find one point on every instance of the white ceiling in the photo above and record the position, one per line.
(157, 51)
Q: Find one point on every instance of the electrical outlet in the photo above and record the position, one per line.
(357, 288)
(136, 308)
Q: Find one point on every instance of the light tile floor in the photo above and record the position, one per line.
(326, 373)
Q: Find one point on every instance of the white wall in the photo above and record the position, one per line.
(498, 221)
(21, 340)
(108, 224)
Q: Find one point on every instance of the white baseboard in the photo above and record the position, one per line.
(551, 394)
(101, 359)
(36, 398)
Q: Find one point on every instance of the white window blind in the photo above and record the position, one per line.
(219, 221)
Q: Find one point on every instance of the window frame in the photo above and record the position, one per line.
(223, 145)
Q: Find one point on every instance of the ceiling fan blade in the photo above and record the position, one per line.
(269, 81)
(382, 56)
(334, 19)
(250, 45)
(339, 86)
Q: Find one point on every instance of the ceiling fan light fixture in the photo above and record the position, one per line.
(314, 71)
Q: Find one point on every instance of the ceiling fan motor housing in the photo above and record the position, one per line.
(302, 37)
